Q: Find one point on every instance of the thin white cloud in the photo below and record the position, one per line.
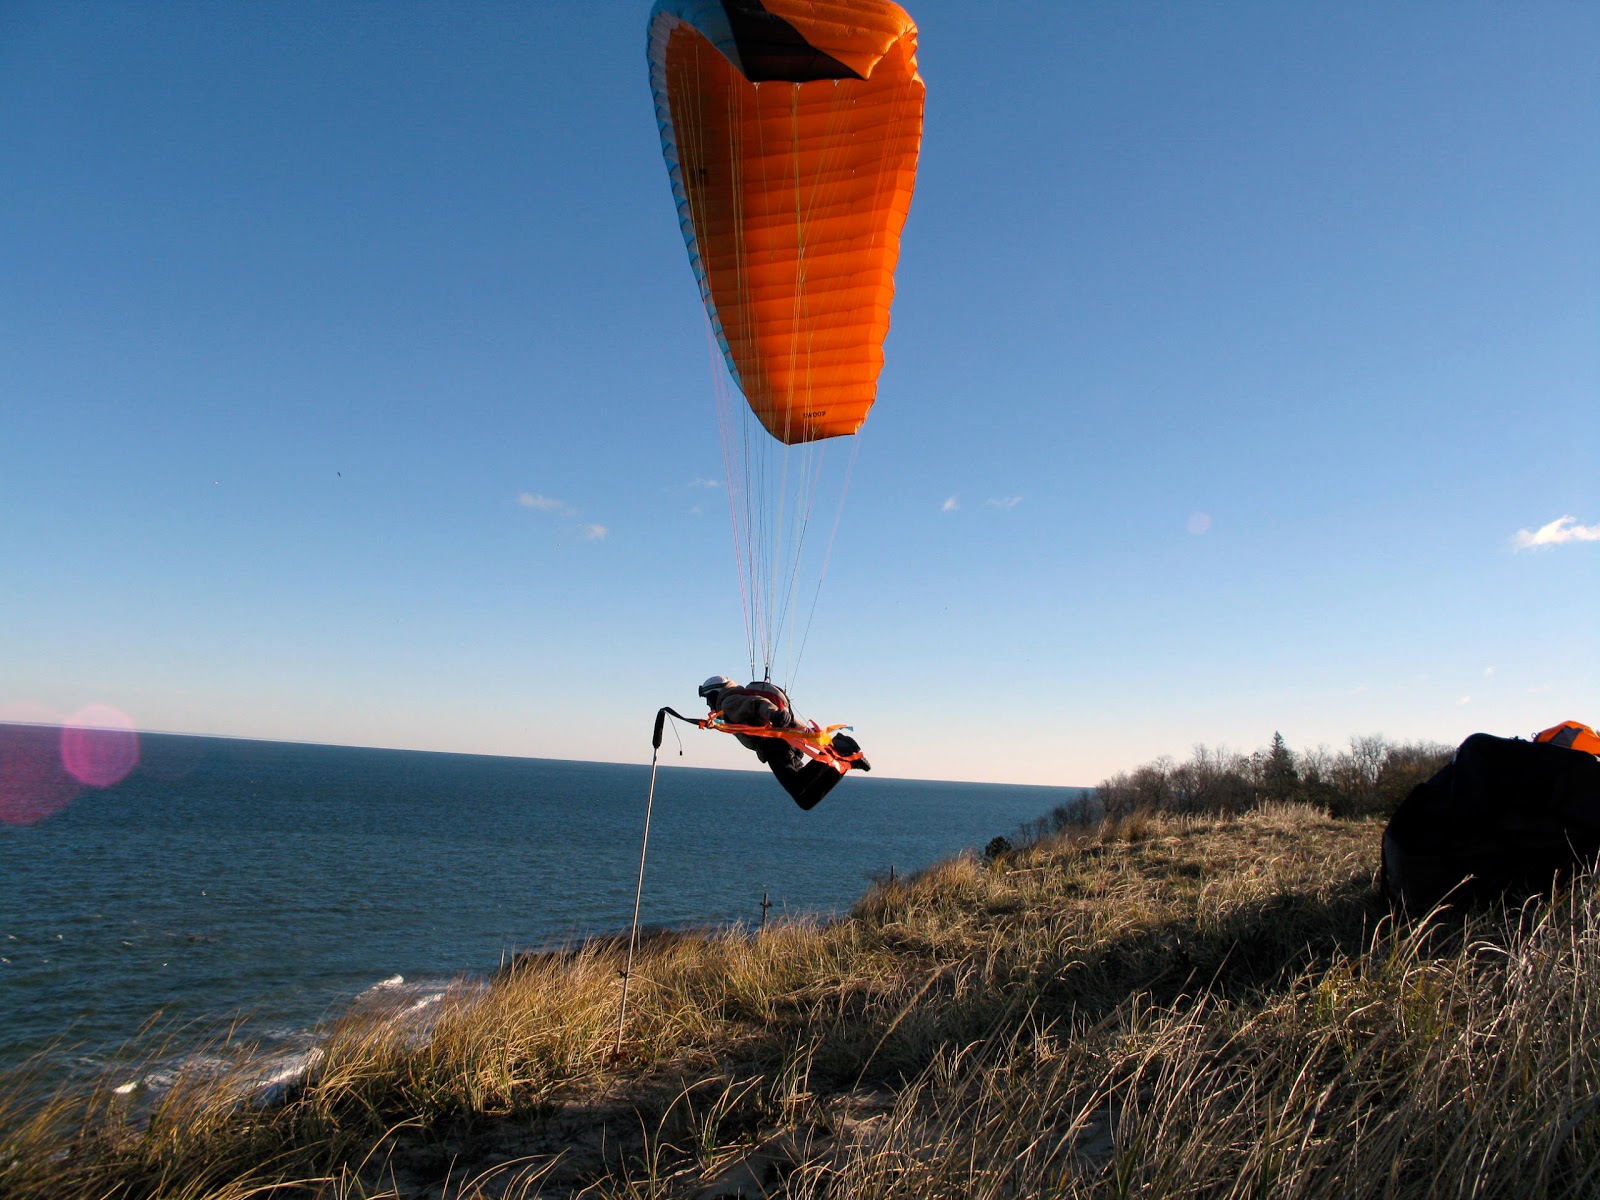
(1464, 701)
(1488, 672)
(1005, 502)
(588, 530)
(540, 503)
(704, 483)
(950, 505)
(1198, 523)
(1557, 533)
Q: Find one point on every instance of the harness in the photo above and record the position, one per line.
(770, 692)
(810, 739)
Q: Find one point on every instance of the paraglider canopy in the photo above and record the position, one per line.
(792, 198)
(790, 130)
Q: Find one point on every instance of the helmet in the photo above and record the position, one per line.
(715, 684)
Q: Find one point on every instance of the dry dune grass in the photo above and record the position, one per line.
(1163, 1006)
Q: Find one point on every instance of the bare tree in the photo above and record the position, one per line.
(1369, 778)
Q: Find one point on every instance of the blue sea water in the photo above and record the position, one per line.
(268, 884)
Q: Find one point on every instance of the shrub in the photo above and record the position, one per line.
(1369, 778)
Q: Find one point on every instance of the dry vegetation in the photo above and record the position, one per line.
(1165, 1005)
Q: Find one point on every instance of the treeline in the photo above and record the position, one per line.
(1370, 777)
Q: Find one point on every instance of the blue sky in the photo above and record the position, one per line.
(354, 385)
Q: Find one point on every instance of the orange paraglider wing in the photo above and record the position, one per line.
(791, 130)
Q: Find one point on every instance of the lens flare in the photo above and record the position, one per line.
(99, 745)
(33, 783)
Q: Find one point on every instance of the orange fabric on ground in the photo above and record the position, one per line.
(1573, 734)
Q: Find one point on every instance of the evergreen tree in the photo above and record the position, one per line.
(1280, 779)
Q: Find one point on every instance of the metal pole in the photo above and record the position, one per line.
(638, 891)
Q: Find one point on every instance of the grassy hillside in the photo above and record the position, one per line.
(1161, 1006)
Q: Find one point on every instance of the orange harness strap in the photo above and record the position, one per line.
(815, 741)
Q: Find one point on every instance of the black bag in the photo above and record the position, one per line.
(1505, 816)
